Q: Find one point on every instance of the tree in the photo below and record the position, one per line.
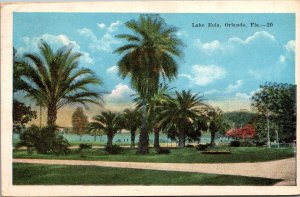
(131, 120)
(147, 57)
(96, 132)
(277, 102)
(160, 97)
(22, 114)
(53, 79)
(238, 118)
(182, 111)
(79, 122)
(109, 122)
(217, 123)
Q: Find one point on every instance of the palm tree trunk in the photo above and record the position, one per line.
(143, 147)
(143, 141)
(109, 140)
(132, 136)
(181, 143)
(40, 116)
(156, 137)
(95, 137)
(52, 115)
(212, 138)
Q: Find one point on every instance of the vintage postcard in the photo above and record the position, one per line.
(135, 98)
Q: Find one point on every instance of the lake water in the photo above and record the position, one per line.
(125, 138)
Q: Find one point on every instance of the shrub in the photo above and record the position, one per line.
(247, 143)
(114, 149)
(161, 150)
(44, 140)
(189, 146)
(202, 147)
(235, 144)
(85, 146)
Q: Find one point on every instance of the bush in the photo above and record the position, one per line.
(189, 146)
(114, 149)
(248, 143)
(202, 147)
(85, 146)
(45, 140)
(235, 143)
(161, 150)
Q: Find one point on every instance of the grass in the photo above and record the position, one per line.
(38, 174)
(186, 155)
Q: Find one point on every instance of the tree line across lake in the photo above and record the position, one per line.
(53, 79)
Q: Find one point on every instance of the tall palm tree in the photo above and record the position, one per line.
(182, 111)
(109, 122)
(132, 121)
(148, 55)
(53, 79)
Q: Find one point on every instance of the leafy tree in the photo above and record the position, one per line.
(238, 118)
(131, 120)
(277, 102)
(22, 114)
(109, 122)
(79, 122)
(53, 79)
(147, 57)
(183, 111)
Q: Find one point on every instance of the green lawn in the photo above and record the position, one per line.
(186, 155)
(37, 174)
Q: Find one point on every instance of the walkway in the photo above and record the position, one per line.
(280, 169)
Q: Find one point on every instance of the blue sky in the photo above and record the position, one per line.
(225, 64)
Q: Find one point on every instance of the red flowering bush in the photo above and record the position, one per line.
(247, 131)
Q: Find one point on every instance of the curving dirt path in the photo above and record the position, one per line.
(284, 169)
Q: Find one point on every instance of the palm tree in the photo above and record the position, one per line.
(131, 119)
(183, 111)
(109, 122)
(214, 116)
(148, 56)
(160, 97)
(96, 132)
(53, 79)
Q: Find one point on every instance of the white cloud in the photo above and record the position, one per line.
(182, 33)
(205, 74)
(282, 58)
(101, 25)
(290, 46)
(243, 95)
(234, 87)
(289, 52)
(114, 26)
(56, 42)
(218, 46)
(103, 44)
(112, 70)
(257, 35)
(209, 92)
(120, 92)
